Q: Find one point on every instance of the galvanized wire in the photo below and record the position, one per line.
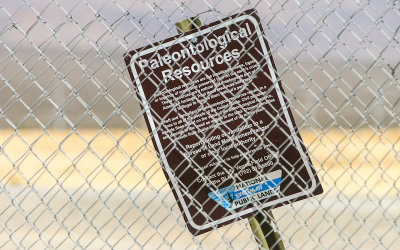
(78, 168)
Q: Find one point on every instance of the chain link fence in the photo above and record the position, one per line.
(77, 165)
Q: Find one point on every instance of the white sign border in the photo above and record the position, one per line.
(281, 100)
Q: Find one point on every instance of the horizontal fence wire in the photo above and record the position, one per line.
(78, 168)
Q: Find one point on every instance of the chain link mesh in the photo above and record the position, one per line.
(77, 166)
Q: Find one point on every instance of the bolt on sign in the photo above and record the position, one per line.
(220, 122)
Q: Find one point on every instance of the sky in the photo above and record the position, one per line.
(364, 30)
(349, 51)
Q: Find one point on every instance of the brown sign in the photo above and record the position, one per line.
(221, 124)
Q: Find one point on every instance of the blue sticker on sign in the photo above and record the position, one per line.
(240, 194)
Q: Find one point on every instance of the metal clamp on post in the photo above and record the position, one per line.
(192, 23)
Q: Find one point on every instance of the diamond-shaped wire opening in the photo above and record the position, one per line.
(87, 184)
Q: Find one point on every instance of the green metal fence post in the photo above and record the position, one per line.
(261, 223)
